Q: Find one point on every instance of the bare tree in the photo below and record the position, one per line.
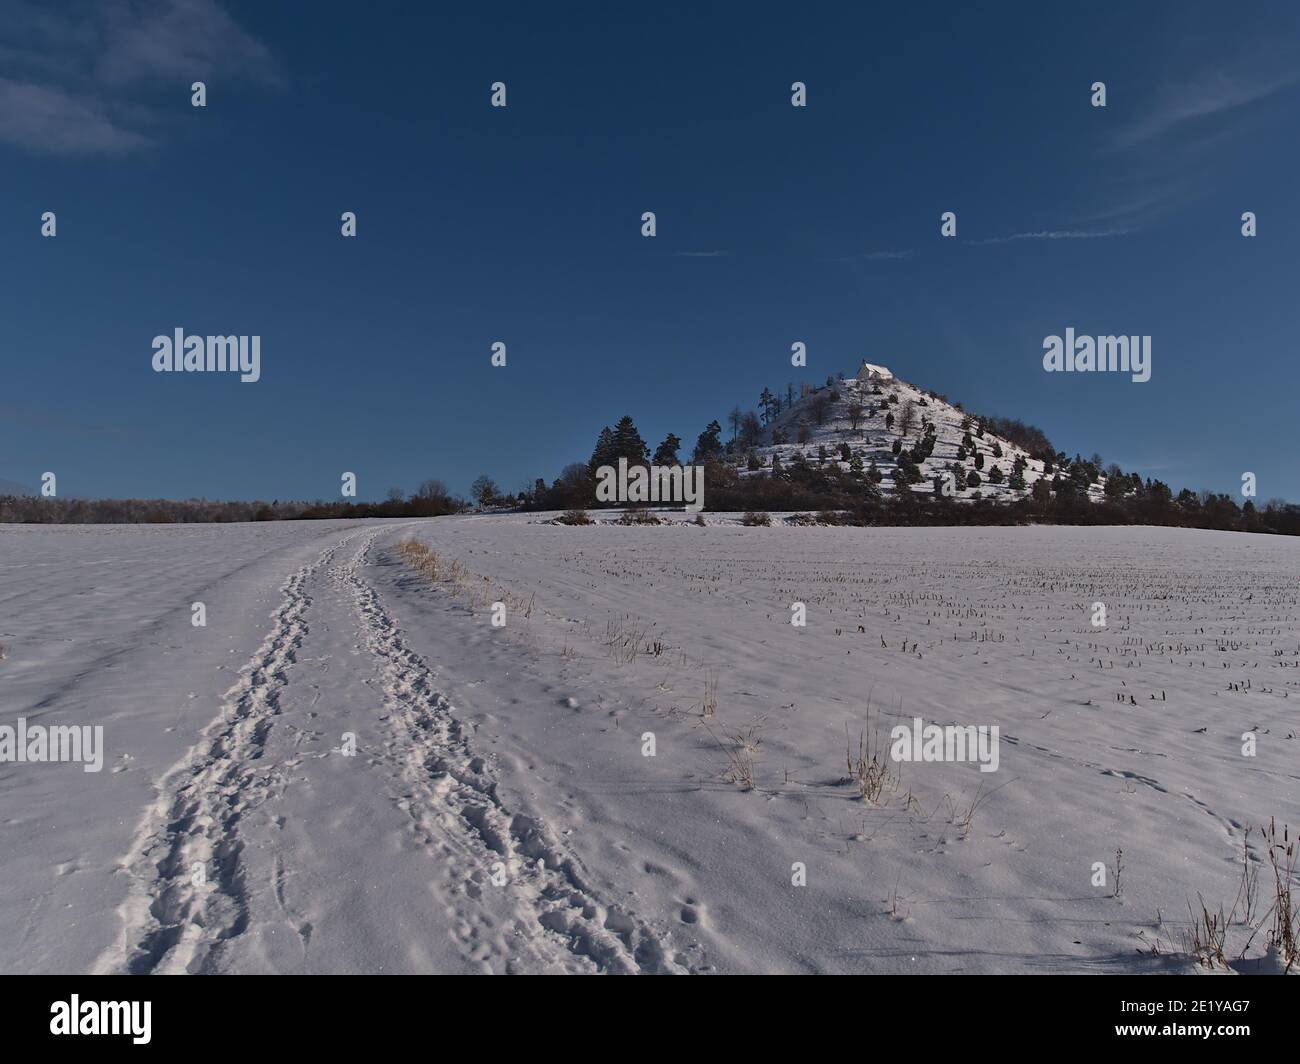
(433, 489)
(855, 412)
(484, 489)
(906, 417)
(733, 419)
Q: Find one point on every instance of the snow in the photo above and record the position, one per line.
(873, 438)
(500, 814)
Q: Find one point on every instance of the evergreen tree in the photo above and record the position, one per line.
(666, 452)
(604, 454)
(709, 444)
(628, 442)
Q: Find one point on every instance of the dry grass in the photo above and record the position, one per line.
(459, 581)
(740, 747)
(1284, 935)
(961, 813)
(624, 637)
(1205, 939)
(870, 768)
(1248, 889)
(709, 704)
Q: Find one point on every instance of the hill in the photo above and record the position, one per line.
(913, 438)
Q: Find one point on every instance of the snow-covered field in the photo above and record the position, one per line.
(501, 813)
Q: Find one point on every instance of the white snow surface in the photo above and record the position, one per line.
(500, 815)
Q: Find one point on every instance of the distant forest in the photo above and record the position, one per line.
(828, 493)
(30, 509)
(817, 487)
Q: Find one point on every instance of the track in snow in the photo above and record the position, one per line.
(488, 862)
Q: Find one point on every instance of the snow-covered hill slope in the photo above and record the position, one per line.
(869, 415)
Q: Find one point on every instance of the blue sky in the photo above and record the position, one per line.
(522, 225)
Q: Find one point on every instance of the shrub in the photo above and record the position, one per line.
(639, 516)
(574, 517)
(756, 519)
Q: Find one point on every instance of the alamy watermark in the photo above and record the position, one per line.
(930, 742)
(641, 484)
(60, 742)
(179, 353)
(75, 1016)
(1098, 354)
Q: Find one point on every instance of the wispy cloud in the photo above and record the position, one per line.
(875, 256)
(1224, 91)
(1178, 107)
(1055, 234)
(81, 78)
(50, 119)
(178, 41)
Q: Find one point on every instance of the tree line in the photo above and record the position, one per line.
(804, 483)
